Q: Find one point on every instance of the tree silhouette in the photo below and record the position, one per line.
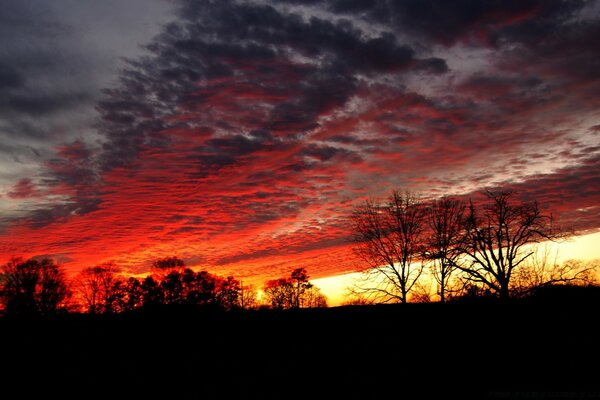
(134, 294)
(389, 238)
(202, 288)
(196, 288)
(313, 298)
(300, 284)
(446, 219)
(229, 293)
(293, 292)
(248, 296)
(151, 293)
(279, 293)
(172, 288)
(541, 270)
(33, 287)
(100, 288)
(498, 240)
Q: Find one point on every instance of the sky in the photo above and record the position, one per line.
(239, 135)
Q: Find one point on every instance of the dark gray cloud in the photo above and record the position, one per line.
(339, 44)
(328, 153)
(469, 21)
(41, 71)
(54, 59)
(252, 46)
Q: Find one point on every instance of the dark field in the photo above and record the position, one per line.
(544, 348)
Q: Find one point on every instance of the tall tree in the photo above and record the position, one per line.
(499, 239)
(389, 238)
(99, 288)
(300, 283)
(33, 287)
(445, 217)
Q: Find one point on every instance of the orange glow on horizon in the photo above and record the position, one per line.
(584, 248)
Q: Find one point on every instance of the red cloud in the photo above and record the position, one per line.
(245, 151)
(24, 189)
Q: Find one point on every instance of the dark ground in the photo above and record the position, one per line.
(549, 348)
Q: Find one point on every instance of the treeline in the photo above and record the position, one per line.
(41, 287)
(468, 248)
(465, 248)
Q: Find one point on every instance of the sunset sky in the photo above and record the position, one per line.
(239, 135)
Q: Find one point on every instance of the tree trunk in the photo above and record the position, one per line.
(504, 294)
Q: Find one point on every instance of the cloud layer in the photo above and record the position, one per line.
(245, 133)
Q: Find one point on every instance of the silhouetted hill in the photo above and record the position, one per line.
(469, 350)
(565, 295)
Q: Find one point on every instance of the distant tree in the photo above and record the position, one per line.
(172, 288)
(389, 238)
(300, 284)
(351, 298)
(87, 288)
(151, 292)
(422, 293)
(203, 289)
(133, 294)
(279, 293)
(33, 287)
(228, 293)
(313, 298)
(248, 297)
(293, 292)
(446, 220)
(100, 289)
(471, 290)
(499, 238)
(191, 286)
(541, 269)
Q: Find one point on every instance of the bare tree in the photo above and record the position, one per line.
(172, 287)
(33, 287)
(99, 288)
(543, 269)
(498, 240)
(313, 298)
(445, 218)
(248, 296)
(133, 294)
(389, 238)
(352, 298)
(279, 293)
(301, 284)
(423, 292)
(293, 292)
(228, 293)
